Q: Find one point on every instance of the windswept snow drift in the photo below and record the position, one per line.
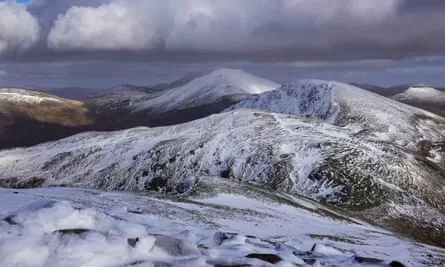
(71, 227)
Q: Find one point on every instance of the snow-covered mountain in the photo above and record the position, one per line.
(208, 89)
(351, 107)
(362, 155)
(193, 96)
(29, 117)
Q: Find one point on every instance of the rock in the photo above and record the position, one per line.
(175, 247)
(396, 264)
(132, 242)
(366, 260)
(326, 250)
(75, 231)
(271, 258)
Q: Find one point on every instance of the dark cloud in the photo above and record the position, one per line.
(226, 30)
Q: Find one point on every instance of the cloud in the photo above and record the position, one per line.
(19, 30)
(110, 26)
(217, 26)
(355, 63)
(279, 30)
(3, 73)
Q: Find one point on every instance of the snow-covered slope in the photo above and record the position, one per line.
(209, 88)
(379, 180)
(73, 227)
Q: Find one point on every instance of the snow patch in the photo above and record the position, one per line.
(27, 98)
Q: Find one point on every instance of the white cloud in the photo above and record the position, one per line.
(19, 30)
(109, 26)
(218, 26)
(3, 73)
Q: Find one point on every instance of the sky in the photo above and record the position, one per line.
(102, 43)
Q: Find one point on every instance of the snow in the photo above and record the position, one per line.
(326, 250)
(435, 155)
(22, 95)
(76, 227)
(208, 89)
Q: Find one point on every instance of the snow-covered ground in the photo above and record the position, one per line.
(75, 227)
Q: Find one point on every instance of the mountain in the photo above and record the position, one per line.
(29, 117)
(425, 97)
(50, 117)
(362, 154)
(192, 97)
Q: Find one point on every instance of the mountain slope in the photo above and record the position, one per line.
(28, 117)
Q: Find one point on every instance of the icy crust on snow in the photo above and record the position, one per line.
(308, 98)
(208, 89)
(72, 227)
